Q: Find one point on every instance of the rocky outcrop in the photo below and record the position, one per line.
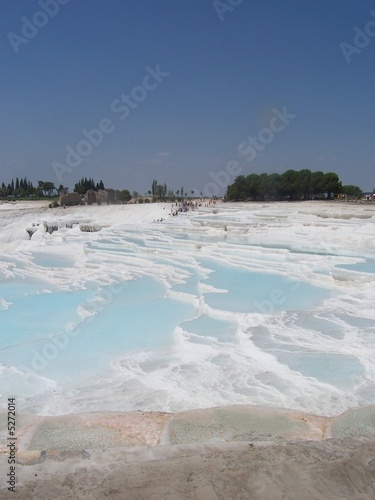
(70, 199)
(112, 195)
(89, 228)
(31, 231)
(90, 197)
(50, 227)
(101, 197)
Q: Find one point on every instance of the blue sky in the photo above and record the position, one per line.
(224, 74)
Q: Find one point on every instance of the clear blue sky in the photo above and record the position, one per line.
(225, 78)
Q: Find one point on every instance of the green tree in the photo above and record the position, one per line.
(85, 185)
(124, 196)
(273, 187)
(352, 191)
(317, 184)
(331, 184)
(289, 181)
(46, 187)
(4, 191)
(62, 190)
(238, 190)
(100, 185)
(153, 187)
(159, 192)
(304, 183)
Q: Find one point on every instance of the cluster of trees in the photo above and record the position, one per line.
(85, 185)
(162, 191)
(17, 188)
(291, 185)
(353, 191)
(23, 188)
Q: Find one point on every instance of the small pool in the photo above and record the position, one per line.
(251, 291)
(50, 261)
(361, 267)
(206, 326)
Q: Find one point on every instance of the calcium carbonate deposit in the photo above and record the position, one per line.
(266, 304)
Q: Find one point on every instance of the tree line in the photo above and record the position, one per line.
(290, 185)
(85, 185)
(23, 188)
(162, 191)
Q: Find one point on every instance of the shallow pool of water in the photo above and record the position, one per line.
(361, 267)
(266, 293)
